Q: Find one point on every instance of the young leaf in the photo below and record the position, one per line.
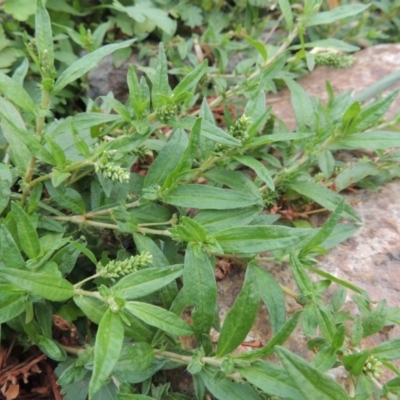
(187, 158)
(302, 279)
(271, 379)
(338, 13)
(325, 231)
(323, 196)
(242, 315)
(209, 197)
(302, 106)
(43, 35)
(190, 80)
(326, 163)
(143, 282)
(160, 318)
(27, 234)
(86, 63)
(9, 251)
(51, 348)
(272, 295)
(189, 230)
(259, 168)
(287, 12)
(47, 286)
(160, 85)
(223, 389)
(167, 160)
(375, 321)
(66, 197)
(308, 380)
(14, 92)
(200, 289)
(258, 45)
(107, 349)
(12, 304)
(257, 239)
(372, 140)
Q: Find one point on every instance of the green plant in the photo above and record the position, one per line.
(72, 210)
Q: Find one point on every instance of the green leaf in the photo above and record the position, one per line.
(160, 84)
(86, 63)
(286, 8)
(338, 13)
(167, 160)
(279, 338)
(354, 174)
(189, 230)
(135, 93)
(93, 308)
(302, 106)
(134, 357)
(389, 350)
(375, 320)
(190, 80)
(5, 183)
(372, 140)
(200, 289)
(271, 379)
(27, 234)
(107, 350)
(258, 45)
(208, 197)
(302, 279)
(242, 315)
(224, 389)
(12, 304)
(52, 348)
(259, 168)
(66, 197)
(327, 43)
(256, 239)
(160, 318)
(9, 251)
(83, 249)
(20, 9)
(187, 158)
(14, 92)
(43, 35)
(326, 163)
(325, 231)
(308, 380)
(47, 286)
(272, 295)
(354, 363)
(216, 220)
(323, 196)
(143, 282)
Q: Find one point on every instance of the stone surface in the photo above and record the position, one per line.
(371, 65)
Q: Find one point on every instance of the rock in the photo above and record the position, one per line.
(371, 65)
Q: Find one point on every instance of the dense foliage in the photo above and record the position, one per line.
(114, 214)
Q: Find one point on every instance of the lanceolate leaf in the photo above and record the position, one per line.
(86, 63)
(43, 35)
(160, 83)
(143, 282)
(11, 305)
(27, 234)
(242, 315)
(372, 140)
(107, 349)
(309, 381)
(167, 160)
(190, 80)
(160, 318)
(323, 196)
(9, 251)
(271, 379)
(224, 389)
(326, 17)
(200, 288)
(256, 239)
(50, 287)
(209, 197)
(272, 295)
(14, 92)
(259, 168)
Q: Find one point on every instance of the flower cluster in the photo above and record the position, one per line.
(141, 151)
(334, 59)
(165, 112)
(117, 268)
(110, 170)
(238, 130)
(372, 367)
